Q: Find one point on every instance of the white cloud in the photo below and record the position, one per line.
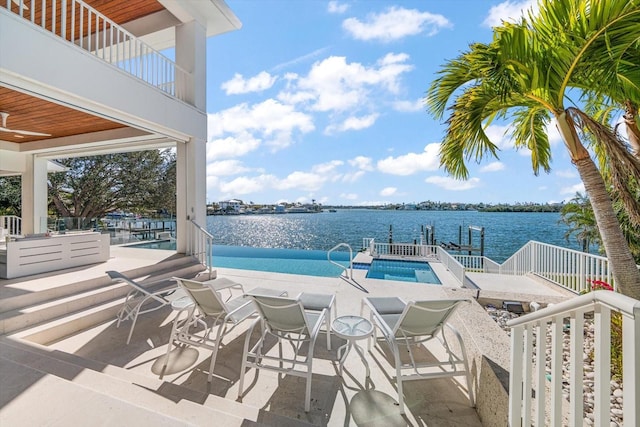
(226, 167)
(271, 121)
(500, 135)
(388, 191)
(258, 83)
(328, 168)
(301, 180)
(362, 162)
(409, 106)
(573, 189)
(451, 184)
(353, 123)
(395, 23)
(235, 146)
(509, 10)
(411, 163)
(335, 85)
(566, 174)
(353, 176)
(493, 167)
(298, 60)
(553, 133)
(246, 185)
(337, 7)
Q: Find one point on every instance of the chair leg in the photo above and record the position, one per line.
(214, 354)
(328, 324)
(245, 355)
(133, 325)
(396, 354)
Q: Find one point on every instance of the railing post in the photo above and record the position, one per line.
(602, 357)
(631, 368)
(515, 378)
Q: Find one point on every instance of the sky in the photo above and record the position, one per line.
(324, 101)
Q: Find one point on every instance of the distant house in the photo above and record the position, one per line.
(233, 205)
(280, 209)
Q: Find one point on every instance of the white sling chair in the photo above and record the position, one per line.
(141, 300)
(287, 321)
(208, 311)
(409, 325)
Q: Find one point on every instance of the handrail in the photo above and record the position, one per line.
(12, 224)
(350, 275)
(523, 409)
(457, 270)
(568, 268)
(85, 27)
(200, 245)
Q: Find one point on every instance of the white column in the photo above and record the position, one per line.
(191, 56)
(191, 179)
(34, 195)
(191, 188)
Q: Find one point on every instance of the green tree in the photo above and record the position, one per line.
(570, 49)
(10, 195)
(577, 214)
(96, 185)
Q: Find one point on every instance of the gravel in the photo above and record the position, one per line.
(501, 317)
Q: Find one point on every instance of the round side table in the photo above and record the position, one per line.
(352, 329)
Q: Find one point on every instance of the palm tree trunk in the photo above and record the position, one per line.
(623, 266)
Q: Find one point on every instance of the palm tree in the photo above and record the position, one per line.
(577, 214)
(570, 49)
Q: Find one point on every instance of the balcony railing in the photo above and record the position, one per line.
(539, 349)
(81, 25)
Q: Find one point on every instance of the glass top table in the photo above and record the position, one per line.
(351, 328)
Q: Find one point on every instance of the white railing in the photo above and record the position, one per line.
(452, 264)
(348, 271)
(529, 343)
(402, 249)
(200, 245)
(478, 264)
(85, 27)
(10, 225)
(571, 269)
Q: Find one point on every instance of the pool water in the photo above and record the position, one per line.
(406, 271)
(291, 261)
(307, 262)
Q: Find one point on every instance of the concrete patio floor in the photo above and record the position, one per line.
(350, 400)
(269, 398)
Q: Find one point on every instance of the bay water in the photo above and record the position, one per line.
(505, 232)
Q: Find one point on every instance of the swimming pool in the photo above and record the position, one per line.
(405, 271)
(291, 261)
(307, 262)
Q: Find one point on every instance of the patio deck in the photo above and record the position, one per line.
(112, 382)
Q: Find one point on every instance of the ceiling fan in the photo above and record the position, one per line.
(4, 127)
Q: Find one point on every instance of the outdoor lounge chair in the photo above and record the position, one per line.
(141, 300)
(319, 302)
(286, 320)
(410, 325)
(209, 310)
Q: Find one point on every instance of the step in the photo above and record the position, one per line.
(87, 393)
(57, 319)
(58, 362)
(10, 301)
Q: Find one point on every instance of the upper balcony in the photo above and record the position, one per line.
(88, 73)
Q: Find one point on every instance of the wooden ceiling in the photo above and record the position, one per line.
(30, 113)
(37, 115)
